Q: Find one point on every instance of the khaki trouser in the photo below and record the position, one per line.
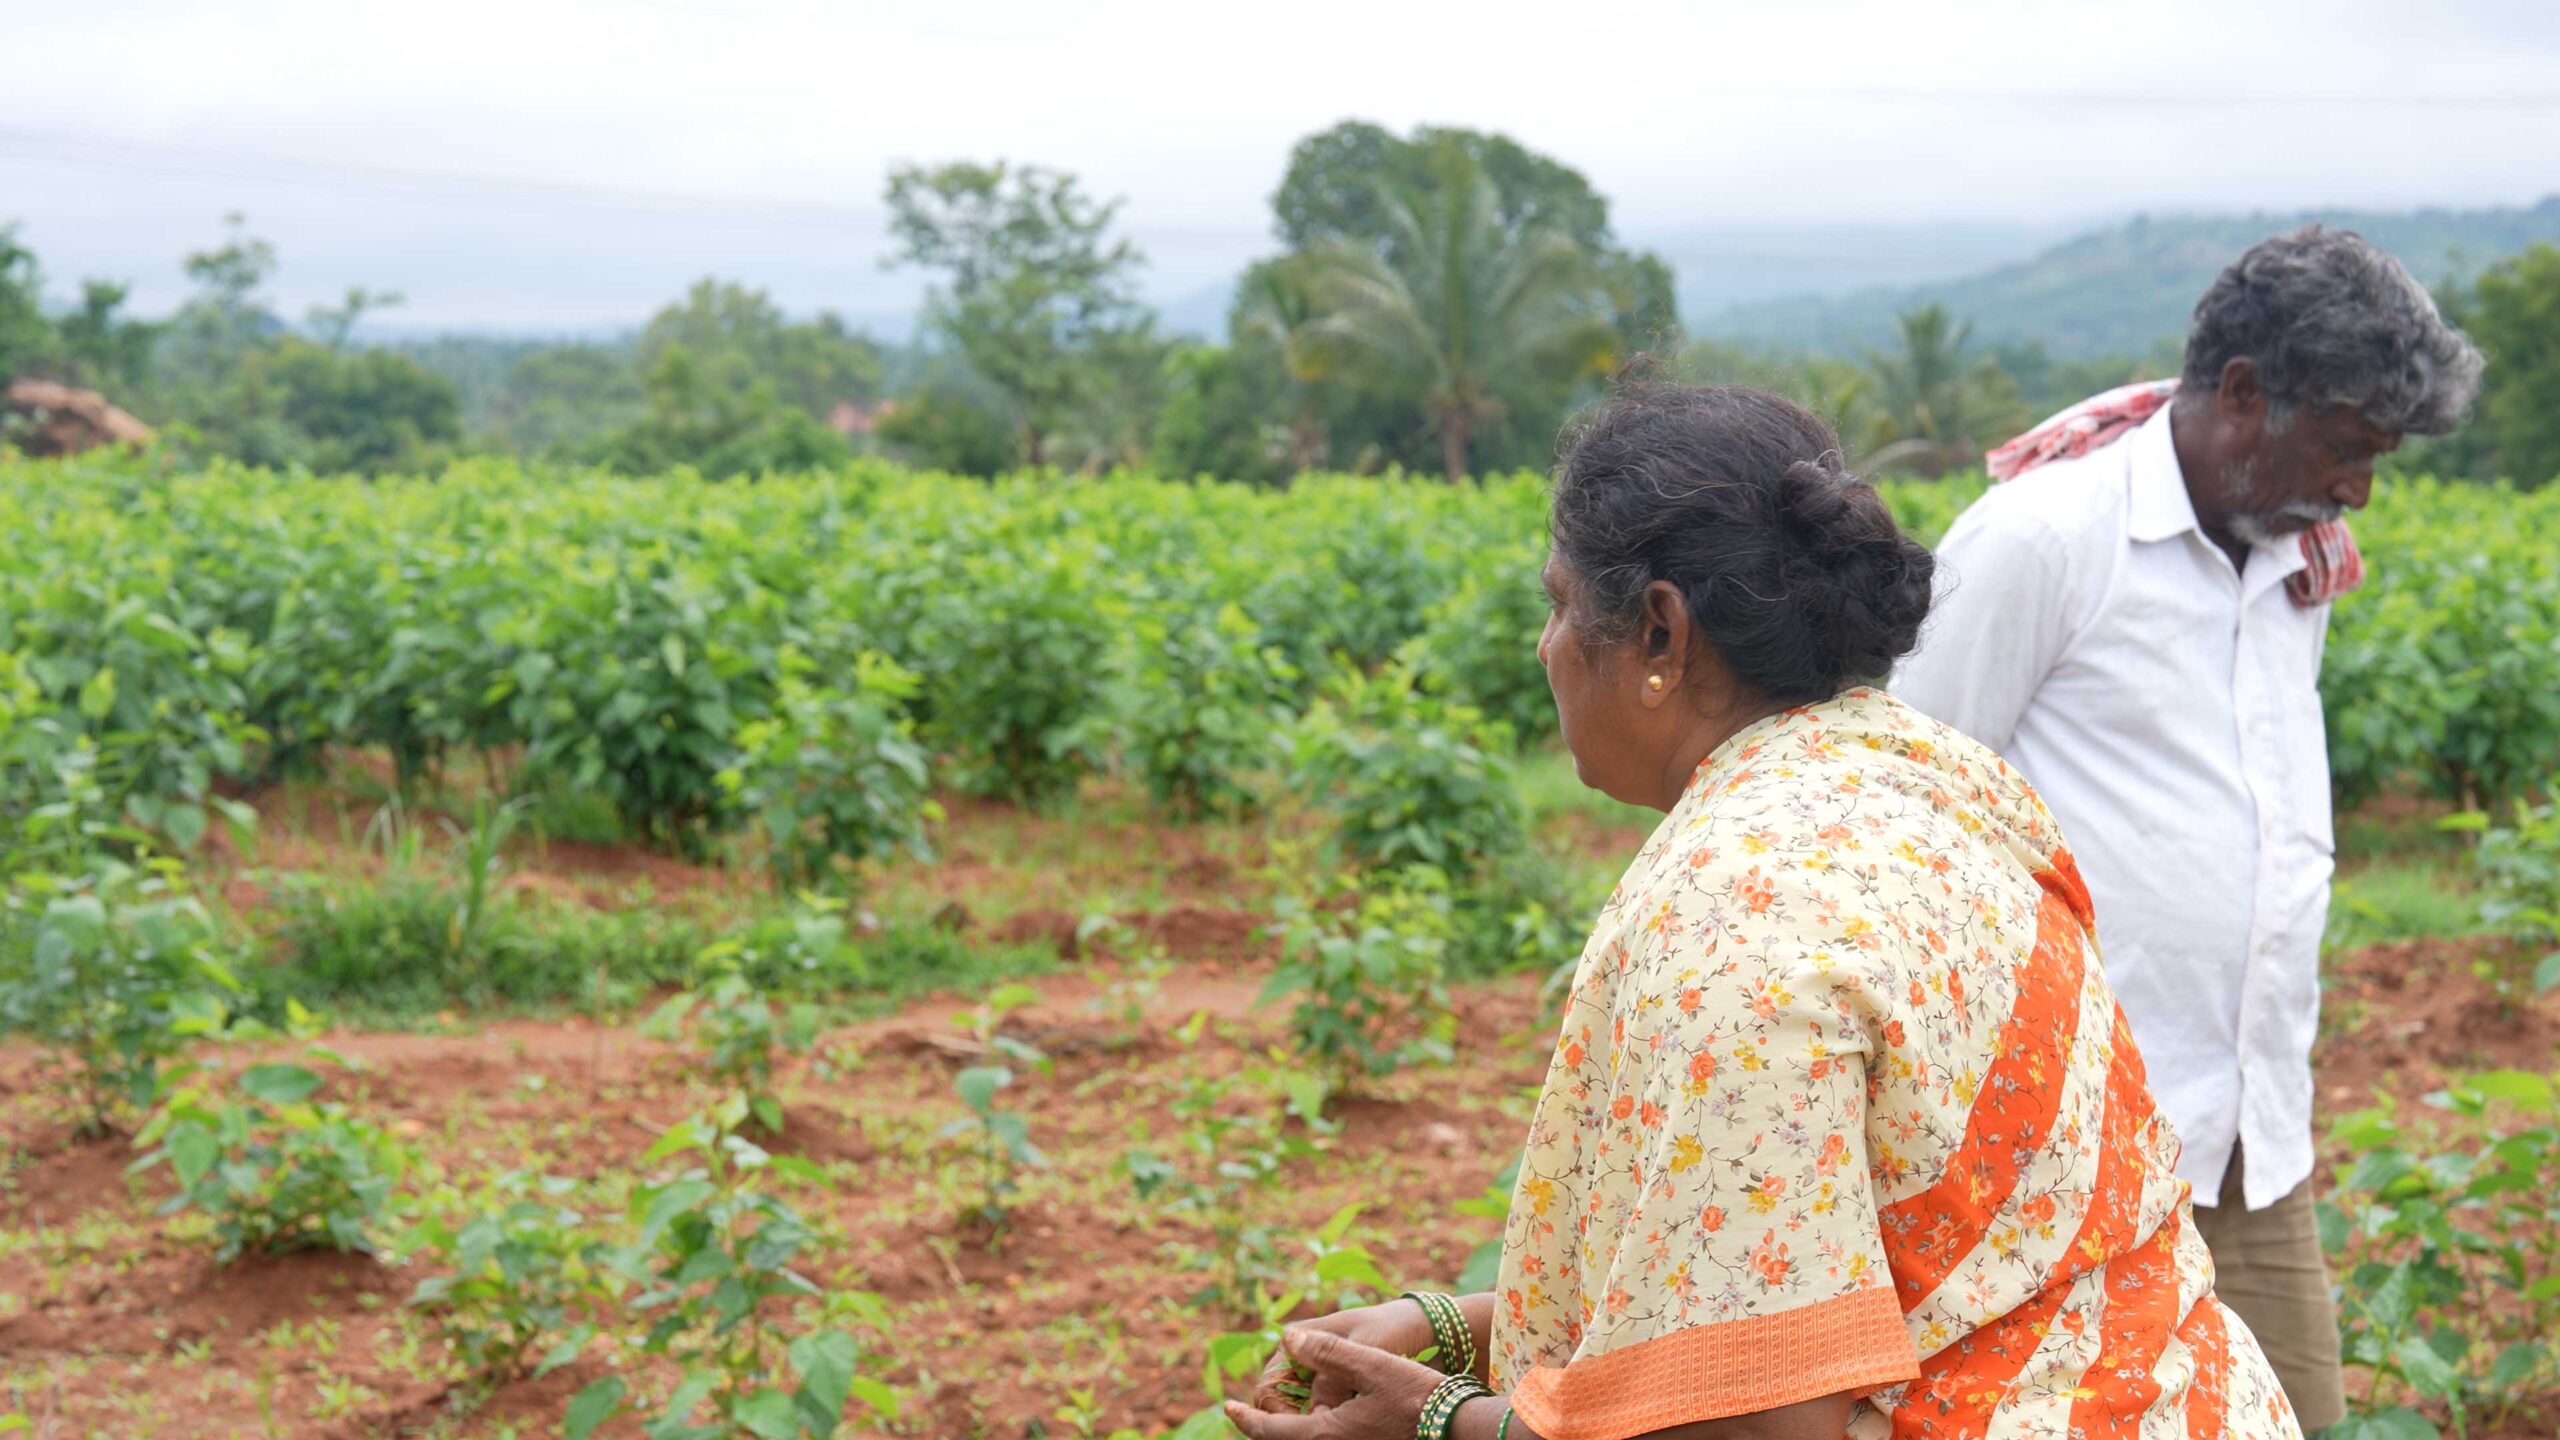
(2268, 1268)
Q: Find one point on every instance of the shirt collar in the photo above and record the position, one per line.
(2160, 509)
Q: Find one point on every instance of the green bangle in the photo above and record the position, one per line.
(1503, 1431)
(1441, 1406)
(1454, 1345)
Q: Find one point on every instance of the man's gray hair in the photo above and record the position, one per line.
(2334, 322)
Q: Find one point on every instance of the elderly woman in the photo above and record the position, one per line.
(1844, 1133)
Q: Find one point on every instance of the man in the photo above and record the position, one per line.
(2137, 626)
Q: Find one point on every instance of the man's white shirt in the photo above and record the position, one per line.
(2168, 709)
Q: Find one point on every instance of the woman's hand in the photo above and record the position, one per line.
(1398, 1327)
(1384, 1391)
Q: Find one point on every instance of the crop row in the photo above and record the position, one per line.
(698, 654)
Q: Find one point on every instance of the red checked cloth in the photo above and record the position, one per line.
(2333, 567)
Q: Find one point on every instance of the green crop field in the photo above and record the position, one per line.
(513, 921)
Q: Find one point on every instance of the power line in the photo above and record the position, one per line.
(103, 152)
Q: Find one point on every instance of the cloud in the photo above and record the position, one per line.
(764, 127)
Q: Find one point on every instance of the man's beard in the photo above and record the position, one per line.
(2266, 527)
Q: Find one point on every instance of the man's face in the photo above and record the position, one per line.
(2319, 468)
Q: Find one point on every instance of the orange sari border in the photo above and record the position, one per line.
(1856, 1341)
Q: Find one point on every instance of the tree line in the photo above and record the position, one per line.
(1438, 302)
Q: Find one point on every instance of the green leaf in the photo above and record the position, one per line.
(98, 696)
(825, 1361)
(2519, 1086)
(569, 1348)
(2546, 974)
(279, 1084)
(2515, 1365)
(876, 1394)
(685, 1134)
(2426, 1371)
(979, 1083)
(768, 1415)
(192, 1152)
(671, 1200)
(592, 1407)
(1209, 1424)
(2397, 1423)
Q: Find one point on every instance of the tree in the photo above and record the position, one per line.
(2513, 314)
(562, 400)
(738, 334)
(950, 421)
(103, 349)
(1276, 312)
(718, 427)
(26, 340)
(366, 412)
(334, 324)
(1338, 181)
(1033, 282)
(1473, 312)
(1936, 408)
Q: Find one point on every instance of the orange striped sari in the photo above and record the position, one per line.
(1841, 1101)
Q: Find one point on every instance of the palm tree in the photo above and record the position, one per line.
(1277, 307)
(1936, 408)
(1456, 305)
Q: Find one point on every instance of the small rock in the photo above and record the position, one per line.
(1444, 1135)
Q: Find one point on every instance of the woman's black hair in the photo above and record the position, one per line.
(1793, 568)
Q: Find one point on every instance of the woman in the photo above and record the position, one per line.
(1843, 1133)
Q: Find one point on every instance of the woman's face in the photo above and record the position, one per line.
(1604, 705)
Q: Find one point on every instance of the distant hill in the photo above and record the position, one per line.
(1739, 264)
(2120, 290)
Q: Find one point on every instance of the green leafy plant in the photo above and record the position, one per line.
(273, 1170)
(2451, 1258)
(2519, 868)
(1369, 980)
(1410, 778)
(1203, 708)
(737, 1031)
(524, 1275)
(1232, 1159)
(115, 971)
(713, 1258)
(999, 1140)
(834, 775)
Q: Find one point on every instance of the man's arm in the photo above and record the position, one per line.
(1997, 625)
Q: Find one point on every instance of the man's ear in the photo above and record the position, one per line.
(2241, 400)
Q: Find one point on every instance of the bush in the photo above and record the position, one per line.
(2519, 868)
(2452, 1284)
(736, 1030)
(1409, 778)
(1369, 981)
(713, 1258)
(835, 776)
(1478, 647)
(1008, 644)
(114, 972)
(273, 1170)
(1203, 708)
(522, 1273)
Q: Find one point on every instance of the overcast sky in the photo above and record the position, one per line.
(558, 164)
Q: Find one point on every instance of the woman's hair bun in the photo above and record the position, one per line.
(1793, 567)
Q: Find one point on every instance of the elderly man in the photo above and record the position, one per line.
(2137, 626)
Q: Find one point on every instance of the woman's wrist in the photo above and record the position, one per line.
(1478, 1310)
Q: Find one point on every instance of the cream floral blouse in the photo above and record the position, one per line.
(1841, 1102)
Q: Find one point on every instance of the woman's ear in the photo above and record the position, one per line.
(1663, 634)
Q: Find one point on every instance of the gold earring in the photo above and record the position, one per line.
(1653, 682)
